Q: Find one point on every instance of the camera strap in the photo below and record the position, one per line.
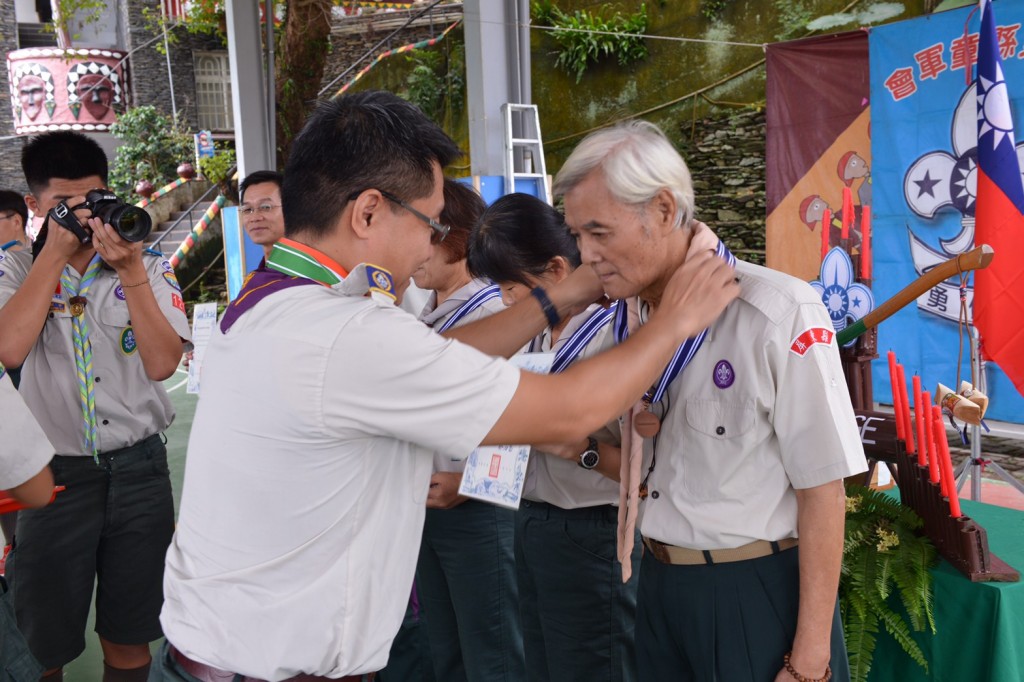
(64, 216)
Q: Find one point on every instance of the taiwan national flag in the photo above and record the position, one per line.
(999, 288)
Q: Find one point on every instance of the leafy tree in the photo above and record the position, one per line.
(152, 148)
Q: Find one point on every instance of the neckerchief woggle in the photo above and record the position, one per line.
(474, 302)
(293, 264)
(579, 339)
(684, 354)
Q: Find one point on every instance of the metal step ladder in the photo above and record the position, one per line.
(524, 151)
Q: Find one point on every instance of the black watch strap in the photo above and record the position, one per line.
(591, 456)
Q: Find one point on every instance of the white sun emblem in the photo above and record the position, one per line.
(994, 108)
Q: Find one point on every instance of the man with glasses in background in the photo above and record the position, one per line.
(262, 217)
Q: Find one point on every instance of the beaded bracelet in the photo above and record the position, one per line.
(547, 306)
(801, 678)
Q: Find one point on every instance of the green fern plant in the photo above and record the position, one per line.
(585, 37)
(883, 553)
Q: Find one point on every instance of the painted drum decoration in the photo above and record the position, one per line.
(74, 89)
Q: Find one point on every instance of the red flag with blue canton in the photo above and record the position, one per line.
(999, 288)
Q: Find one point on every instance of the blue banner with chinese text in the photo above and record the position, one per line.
(924, 128)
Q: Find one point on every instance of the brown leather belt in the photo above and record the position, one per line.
(208, 673)
(683, 556)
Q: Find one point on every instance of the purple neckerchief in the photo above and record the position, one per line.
(261, 283)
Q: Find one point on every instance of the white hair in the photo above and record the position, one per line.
(637, 160)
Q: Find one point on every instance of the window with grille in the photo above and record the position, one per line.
(213, 91)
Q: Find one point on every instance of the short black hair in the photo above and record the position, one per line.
(462, 209)
(62, 154)
(258, 178)
(371, 139)
(516, 237)
(12, 201)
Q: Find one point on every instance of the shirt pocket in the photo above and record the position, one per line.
(117, 327)
(715, 452)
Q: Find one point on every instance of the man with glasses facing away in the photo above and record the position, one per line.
(262, 217)
(306, 482)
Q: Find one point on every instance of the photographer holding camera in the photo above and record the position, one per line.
(96, 325)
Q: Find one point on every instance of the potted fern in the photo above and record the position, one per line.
(883, 553)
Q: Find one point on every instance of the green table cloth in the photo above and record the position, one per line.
(979, 626)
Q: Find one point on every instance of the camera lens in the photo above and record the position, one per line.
(131, 222)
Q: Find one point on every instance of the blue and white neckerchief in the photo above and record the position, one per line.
(474, 302)
(684, 354)
(579, 340)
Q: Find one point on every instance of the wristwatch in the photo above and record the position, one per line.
(590, 457)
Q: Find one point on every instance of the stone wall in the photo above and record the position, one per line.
(726, 159)
(10, 150)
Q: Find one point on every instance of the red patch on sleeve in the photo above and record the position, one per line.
(177, 302)
(802, 343)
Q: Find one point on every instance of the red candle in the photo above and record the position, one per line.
(908, 429)
(865, 242)
(926, 419)
(896, 407)
(939, 437)
(826, 225)
(946, 463)
(922, 442)
(847, 212)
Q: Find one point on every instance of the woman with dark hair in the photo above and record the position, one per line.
(466, 577)
(578, 616)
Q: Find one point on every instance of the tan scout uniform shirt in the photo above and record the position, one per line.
(24, 450)
(129, 406)
(562, 482)
(762, 409)
(435, 316)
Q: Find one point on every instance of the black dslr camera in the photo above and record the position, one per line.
(131, 222)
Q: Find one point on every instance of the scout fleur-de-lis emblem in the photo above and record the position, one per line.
(939, 181)
(846, 301)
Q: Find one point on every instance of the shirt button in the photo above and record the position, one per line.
(97, 379)
(720, 430)
(655, 494)
(106, 421)
(51, 316)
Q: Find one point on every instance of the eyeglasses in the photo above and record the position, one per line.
(440, 230)
(262, 209)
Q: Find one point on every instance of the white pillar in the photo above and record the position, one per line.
(249, 95)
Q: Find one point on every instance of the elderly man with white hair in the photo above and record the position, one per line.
(735, 457)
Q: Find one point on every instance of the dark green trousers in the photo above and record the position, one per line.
(728, 622)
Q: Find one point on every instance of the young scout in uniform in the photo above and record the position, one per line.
(96, 327)
(745, 438)
(302, 514)
(466, 575)
(577, 612)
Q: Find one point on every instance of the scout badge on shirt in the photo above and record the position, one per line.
(379, 282)
(810, 337)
